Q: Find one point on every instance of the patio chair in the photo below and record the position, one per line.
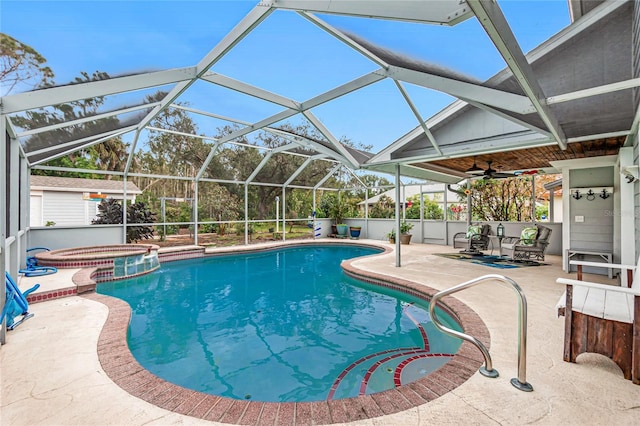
(475, 239)
(603, 319)
(531, 244)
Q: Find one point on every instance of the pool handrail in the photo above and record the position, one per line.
(487, 369)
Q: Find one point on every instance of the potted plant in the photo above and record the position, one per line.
(338, 208)
(405, 236)
(354, 231)
(392, 236)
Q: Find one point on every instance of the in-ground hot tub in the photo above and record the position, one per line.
(112, 262)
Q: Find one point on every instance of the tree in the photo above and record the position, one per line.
(376, 184)
(239, 162)
(171, 154)
(501, 200)
(109, 155)
(20, 63)
(431, 209)
(110, 212)
(384, 208)
(336, 206)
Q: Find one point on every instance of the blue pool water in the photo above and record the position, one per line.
(285, 325)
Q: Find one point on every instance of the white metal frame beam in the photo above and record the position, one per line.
(594, 91)
(104, 137)
(63, 94)
(332, 140)
(495, 25)
(266, 159)
(461, 89)
(85, 119)
(244, 27)
(327, 176)
(300, 169)
(248, 89)
(442, 12)
(416, 113)
(306, 143)
(344, 38)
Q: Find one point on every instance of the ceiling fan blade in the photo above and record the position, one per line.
(499, 175)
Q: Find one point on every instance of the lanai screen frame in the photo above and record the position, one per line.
(530, 98)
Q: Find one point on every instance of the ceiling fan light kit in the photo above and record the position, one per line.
(489, 173)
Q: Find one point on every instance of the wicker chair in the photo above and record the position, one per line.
(517, 248)
(473, 242)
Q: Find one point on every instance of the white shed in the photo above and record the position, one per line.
(72, 201)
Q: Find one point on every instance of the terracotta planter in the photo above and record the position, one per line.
(405, 238)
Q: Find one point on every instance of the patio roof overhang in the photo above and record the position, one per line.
(570, 97)
(586, 85)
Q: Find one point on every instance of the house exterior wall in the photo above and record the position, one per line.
(596, 231)
(635, 34)
(65, 208)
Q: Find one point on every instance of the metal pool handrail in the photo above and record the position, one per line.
(487, 370)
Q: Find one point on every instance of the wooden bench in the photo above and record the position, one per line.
(603, 319)
(605, 255)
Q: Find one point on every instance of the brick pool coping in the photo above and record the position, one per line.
(121, 367)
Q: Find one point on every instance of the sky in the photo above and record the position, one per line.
(286, 54)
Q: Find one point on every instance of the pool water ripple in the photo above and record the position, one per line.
(283, 325)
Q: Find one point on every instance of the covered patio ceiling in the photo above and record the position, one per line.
(571, 97)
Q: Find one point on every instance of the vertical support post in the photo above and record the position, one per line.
(14, 199)
(3, 219)
(421, 215)
(627, 217)
(445, 204)
(366, 211)
(25, 209)
(315, 226)
(552, 205)
(533, 198)
(194, 208)
(164, 216)
(469, 206)
(124, 212)
(124, 208)
(284, 209)
(277, 213)
(246, 213)
(397, 215)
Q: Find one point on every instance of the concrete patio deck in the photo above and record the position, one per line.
(50, 373)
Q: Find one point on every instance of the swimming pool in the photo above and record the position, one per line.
(282, 325)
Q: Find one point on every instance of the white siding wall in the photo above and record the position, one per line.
(65, 208)
(35, 217)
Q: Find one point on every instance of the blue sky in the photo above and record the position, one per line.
(285, 54)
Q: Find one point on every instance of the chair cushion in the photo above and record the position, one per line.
(474, 230)
(528, 235)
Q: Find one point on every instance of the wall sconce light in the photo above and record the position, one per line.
(576, 195)
(630, 173)
(604, 194)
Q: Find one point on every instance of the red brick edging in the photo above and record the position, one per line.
(121, 367)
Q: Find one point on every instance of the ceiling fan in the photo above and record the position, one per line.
(489, 173)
